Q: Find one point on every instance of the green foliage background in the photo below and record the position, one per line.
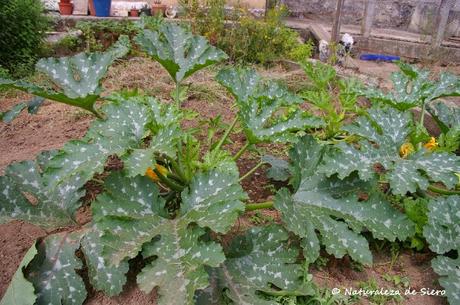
(23, 27)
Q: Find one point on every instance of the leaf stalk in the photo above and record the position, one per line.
(259, 206)
(442, 191)
(226, 134)
(249, 173)
(241, 151)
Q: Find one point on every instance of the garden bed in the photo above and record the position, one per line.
(55, 124)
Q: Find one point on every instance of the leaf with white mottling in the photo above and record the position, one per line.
(101, 274)
(279, 168)
(137, 162)
(53, 271)
(125, 127)
(413, 87)
(267, 111)
(179, 51)
(261, 260)
(449, 270)
(129, 213)
(32, 107)
(11, 114)
(333, 208)
(179, 269)
(443, 229)
(21, 291)
(79, 76)
(447, 116)
(25, 196)
(381, 145)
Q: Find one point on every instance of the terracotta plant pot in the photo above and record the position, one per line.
(92, 10)
(134, 13)
(158, 9)
(65, 1)
(65, 8)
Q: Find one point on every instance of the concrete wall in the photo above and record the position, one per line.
(258, 4)
(414, 15)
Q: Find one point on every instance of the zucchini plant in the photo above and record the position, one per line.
(335, 98)
(413, 87)
(442, 233)
(78, 77)
(179, 51)
(171, 205)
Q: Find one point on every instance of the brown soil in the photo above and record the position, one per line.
(341, 274)
(55, 124)
(15, 239)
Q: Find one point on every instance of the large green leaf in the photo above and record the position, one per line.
(449, 271)
(26, 196)
(124, 129)
(21, 291)
(246, 83)
(333, 207)
(448, 119)
(46, 192)
(261, 260)
(413, 87)
(102, 275)
(163, 121)
(279, 170)
(384, 131)
(130, 214)
(267, 111)
(179, 270)
(78, 76)
(442, 231)
(53, 270)
(179, 51)
(446, 116)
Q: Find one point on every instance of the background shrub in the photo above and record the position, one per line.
(259, 40)
(247, 39)
(22, 35)
(100, 35)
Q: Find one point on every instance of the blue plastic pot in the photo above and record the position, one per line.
(379, 57)
(102, 7)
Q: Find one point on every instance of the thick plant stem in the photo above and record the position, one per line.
(422, 115)
(442, 191)
(172, 185)
(259, 206)
(422, 119)
(177, 169)
(241, 151)
(226, 134)
(177, 94)
(98, 114)
(249, 173)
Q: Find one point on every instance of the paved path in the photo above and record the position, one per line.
(323, 31)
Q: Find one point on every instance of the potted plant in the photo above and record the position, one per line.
(145, 9)
(65, 7)
(134, 12)
(158, 8)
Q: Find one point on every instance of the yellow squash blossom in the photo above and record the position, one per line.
(152, 175)
(406, 149)
(431, 144)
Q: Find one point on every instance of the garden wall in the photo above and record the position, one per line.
(413, 15)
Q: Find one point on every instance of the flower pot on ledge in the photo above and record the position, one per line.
(134, 12)
(65, 8)
(158, 9)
